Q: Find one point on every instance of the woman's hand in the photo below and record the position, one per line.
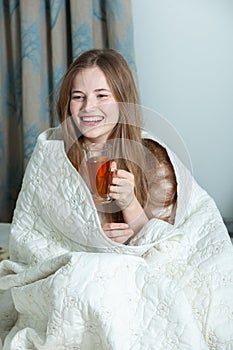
(118, 232)
(122, 187)
(122, 190)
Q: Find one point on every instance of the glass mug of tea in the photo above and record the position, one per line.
(98, 162)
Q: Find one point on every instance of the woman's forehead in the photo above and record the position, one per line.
(90, 78)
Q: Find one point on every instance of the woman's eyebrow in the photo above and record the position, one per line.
(96, 90)
(102, 89)
(75, 91)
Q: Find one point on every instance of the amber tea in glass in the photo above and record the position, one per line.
(98, 161)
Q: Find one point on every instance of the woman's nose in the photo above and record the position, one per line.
(90, 103)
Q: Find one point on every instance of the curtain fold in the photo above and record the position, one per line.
(38, 40)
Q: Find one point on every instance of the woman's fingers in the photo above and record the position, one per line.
(114, 226)
(118, 232)
(122, 188)
(113, 166)
(123, 174)
(121, 183)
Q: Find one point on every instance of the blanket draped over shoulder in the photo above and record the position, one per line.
(68, 286)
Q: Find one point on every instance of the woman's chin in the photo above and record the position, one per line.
(100, 135)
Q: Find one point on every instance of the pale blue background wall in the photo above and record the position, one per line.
(184, 57)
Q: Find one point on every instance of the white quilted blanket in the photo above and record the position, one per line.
(73, 288)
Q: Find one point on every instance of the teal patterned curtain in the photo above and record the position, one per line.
(39, 39)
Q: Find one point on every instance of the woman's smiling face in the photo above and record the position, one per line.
(92, 105)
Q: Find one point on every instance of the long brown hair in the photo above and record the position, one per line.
(126, 133)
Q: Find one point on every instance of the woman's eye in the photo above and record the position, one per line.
(78, 97)
(102, 96)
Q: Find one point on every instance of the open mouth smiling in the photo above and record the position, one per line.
(91, 120)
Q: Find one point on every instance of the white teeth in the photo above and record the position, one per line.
(92, 119)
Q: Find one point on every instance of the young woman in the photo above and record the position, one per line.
(98, 93)
(153, 269)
